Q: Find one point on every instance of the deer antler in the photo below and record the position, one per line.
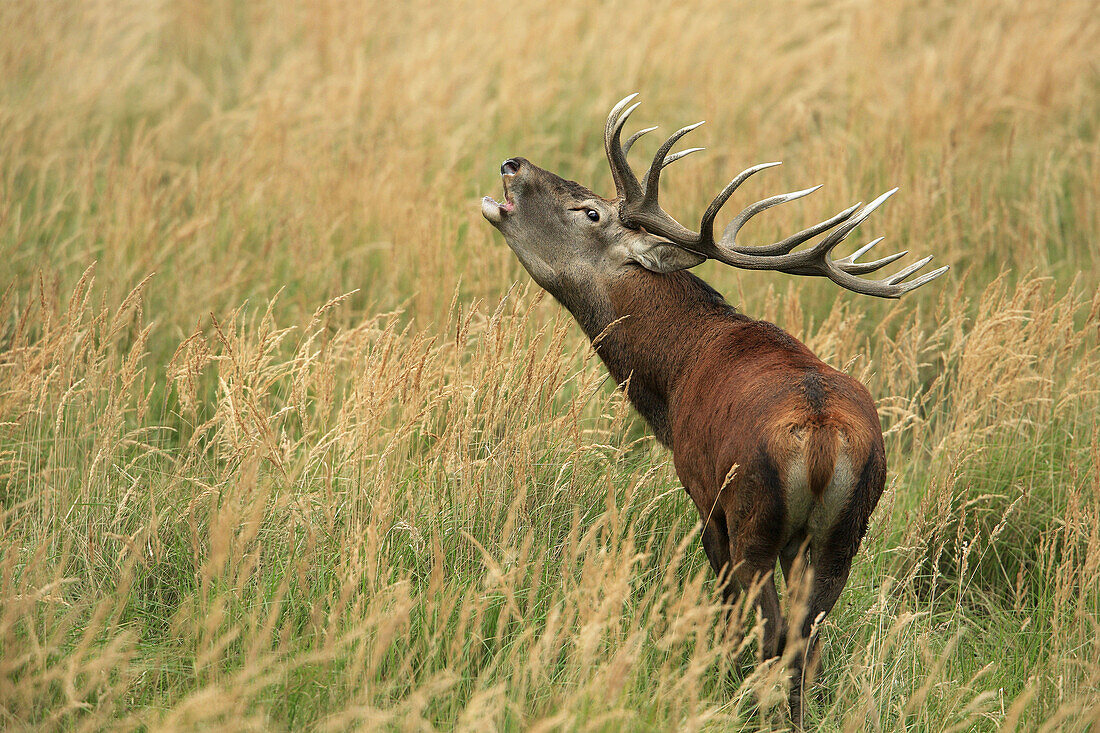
(639, 207)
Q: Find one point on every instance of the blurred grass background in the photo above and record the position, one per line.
(284, 444)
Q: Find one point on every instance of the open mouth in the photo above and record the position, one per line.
(493, 209)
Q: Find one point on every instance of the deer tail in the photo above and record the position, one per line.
(821, 458)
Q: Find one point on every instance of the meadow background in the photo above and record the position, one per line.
(288, 439)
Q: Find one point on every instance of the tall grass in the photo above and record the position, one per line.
(287, 439)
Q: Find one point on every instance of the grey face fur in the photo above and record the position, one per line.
(567, 237)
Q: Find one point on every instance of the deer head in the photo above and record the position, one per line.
(567, 237)
(565, 234)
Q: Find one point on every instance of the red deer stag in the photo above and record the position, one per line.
(723, 391)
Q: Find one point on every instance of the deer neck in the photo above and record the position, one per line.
(648, 329)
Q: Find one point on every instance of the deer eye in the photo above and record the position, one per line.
(592, 214)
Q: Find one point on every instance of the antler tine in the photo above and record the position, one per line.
(850, 260)
(923, 280)
(840, 234)
(862, 250)
(636, 208)
(813, 261)
(849, 264)
(843, 272)
(660, 160)
(706, 228)
(816, 260)
(669, 160)
(682, 154)
(786, 245)
(626, 183)
(901, 275)
(882, 288)
(634, 138)
(729, 237)
(706, 225)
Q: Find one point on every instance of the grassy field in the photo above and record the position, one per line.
(288, 439)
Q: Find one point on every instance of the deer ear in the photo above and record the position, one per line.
(660, 255)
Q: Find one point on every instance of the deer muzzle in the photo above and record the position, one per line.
(495, 211)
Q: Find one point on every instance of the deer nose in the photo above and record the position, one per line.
(509, 167)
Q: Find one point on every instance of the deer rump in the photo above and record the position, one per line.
(776, 444)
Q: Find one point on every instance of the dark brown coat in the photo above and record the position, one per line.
(731, 394)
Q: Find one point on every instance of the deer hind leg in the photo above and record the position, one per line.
(822, 586)
(716, 543)
(758, 578)
(758, 514)
(794, 559)
(833, 545)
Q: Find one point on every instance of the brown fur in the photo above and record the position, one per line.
(821, 454)
(724, 391)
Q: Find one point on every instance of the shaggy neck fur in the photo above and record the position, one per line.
(648, 329)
